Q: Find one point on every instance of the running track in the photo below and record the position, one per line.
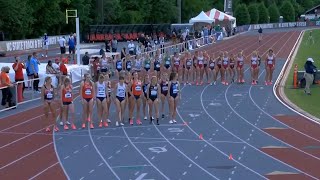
(266, 140)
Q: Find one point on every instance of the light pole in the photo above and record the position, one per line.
(74, 14)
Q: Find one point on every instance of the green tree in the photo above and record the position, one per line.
(287, 11)
(242, 15)
(307, 4)
(254, 14)
(274, 13)
(191, 8)
(263, 13)
(162, 11)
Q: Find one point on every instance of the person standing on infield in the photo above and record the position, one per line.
(311, 70)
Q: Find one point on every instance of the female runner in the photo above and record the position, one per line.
(67, 104)
(128, 63)
(120, 98)
(164, 85)
(195, 65)
(147, 64)
(219, 65)
(130, 99)
(225, 69)
(200, 68)
(212, 72)
(177, 64)
(101, 95)
(135, 91)
(240, 63)
(146, 82)
(188, 69)
(118, 65)
(103, 64)
(166, 63)
(205, 65)
(175, 95)
(270, 66)
(254, 68)
(157, 64)
(138, 65)
(87, 93)
(47, 95)
(109, 86)
(152, 96)
(232, 70)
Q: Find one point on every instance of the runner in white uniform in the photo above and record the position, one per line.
(270, 66)
(101, 95)
(120, 97)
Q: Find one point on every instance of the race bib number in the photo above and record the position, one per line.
(240, 63)
(254, 62)
(147, 65)
(200, 62)
(158, 65)
(87, 92)
(165, 88)
(68, 95)
(167, 62)
(153, 92)
(211, 64)
(138, 88)
(119, 66)
(129, 66)
(49, 95)
(121, 93)
(225, 62)
(270, 62)
(175, 91)
(176, 63)
(189, 63)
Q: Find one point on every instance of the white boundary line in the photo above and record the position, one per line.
(284, 74)
(33, 177)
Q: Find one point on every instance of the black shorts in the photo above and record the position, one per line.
(63, 50)
(103, 70)
(88, 99)
(167, 66)
(157, 69)
(165, 93)
(120, 98)
(152, 98)
(72, 50)
(101, 98)
(147, 69)
(137, 97)
(66, 103)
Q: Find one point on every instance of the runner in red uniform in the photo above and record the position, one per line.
(270, 66)
(254, 67)
(67, 104)
(200, 68)
(136, 91)
(87, 93)
(240, 64)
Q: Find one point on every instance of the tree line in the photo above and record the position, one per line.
(20, 19)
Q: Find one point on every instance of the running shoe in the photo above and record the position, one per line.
(170, 122)
(138, 122)
(226, 83)
(109, 121)
(105, 124)
(61, 123)
(91, 126)
(56, 129)
(117, 123)
(73, 127)
(48, 129)
(68, 123)
(266, 83)
(145, 118)
(215, 83)
(158, 122)
(121, 124)
(65, 127)
(174, 121)
(243, 81)
(162, 116)
(131, 121)
(100, 124)
(83, 125)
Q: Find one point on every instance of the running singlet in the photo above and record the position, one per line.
(240, 62)
(225, 62)
(153, 92)
(145, 90)
(205, 62)
(147, 64)
(121, 90)
(200, 61)
(189, 63)
(219, 63)
(48, 93)
(211, 64)
(231, 63)
(164, 87)
(167, 62)
(101, 88)
(137, 88)
(138, 64)
(254, 62)
(157, 65)
(109, 87)
(174, 89)
(128, 65)
(176, 62)
(67, 94)
(119, 65)
(87, 90)
(104, 65)
(270, 61)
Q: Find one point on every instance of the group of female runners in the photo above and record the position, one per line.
(148, 81)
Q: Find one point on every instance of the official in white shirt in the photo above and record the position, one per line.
(62, 44)
(131, 47)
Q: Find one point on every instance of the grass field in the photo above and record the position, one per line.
(310, 104)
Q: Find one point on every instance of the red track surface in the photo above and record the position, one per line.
(25, 153)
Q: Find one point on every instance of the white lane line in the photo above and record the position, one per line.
(244, 147)
(91, 171)
(137, 149)
(100, 164)
(110, 157)
(85, 145)
(60, 138)
(152, 158)
(146, 142)
(190, 165)
(118, 151)
(196, 157)
(239, 158)
(205, 145)
(33, 177)
(242, 152)
(184, 173)
(136, 173)
(66, 157)
(75, 152)
(81, 178)
(232, 172)
(131, 166)
(106, 133)
(141, 134)
(125, 145)
(201, 150)
(98, 137)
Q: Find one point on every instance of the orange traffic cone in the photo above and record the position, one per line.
(230, 157)
(295, 76)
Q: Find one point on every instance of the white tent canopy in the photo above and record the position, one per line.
(218, 15)
(201, 18)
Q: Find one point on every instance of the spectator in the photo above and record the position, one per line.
(63, 71)
(86, 59)
(123, 53)
(62, 44)
(72, 44)
(18, 67)
(311, 70)
(35, 71)
(45, 41)
(5, 85)
(29, 72)
(102, 51)
(114, 44)
(131, 48)
(50, 69)
(56, 66)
